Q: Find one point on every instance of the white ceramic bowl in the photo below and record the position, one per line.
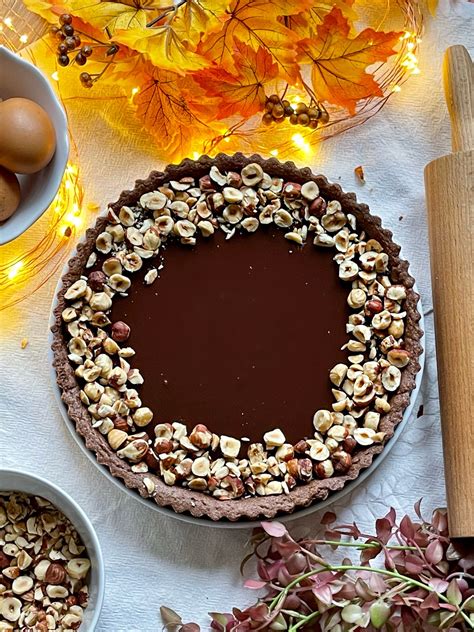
(19, 78)
(20, 481)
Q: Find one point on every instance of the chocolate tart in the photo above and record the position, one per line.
(214, 356)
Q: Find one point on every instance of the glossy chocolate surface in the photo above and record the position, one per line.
(238, 335)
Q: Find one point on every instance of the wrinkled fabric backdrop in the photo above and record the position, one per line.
(152, 559)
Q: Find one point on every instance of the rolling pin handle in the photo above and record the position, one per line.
(458, 78)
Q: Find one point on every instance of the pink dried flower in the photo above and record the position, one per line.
(409, 577)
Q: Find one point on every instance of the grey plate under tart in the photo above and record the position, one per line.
(241, 524)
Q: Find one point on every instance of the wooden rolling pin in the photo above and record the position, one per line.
(449, 183)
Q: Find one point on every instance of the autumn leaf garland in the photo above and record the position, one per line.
(194, 63)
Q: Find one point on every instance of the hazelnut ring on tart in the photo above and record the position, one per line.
(195, 465)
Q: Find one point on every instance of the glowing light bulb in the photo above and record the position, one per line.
(396, 88)
(8, 22)
(55, 76)
(295, 100)
(135, 91)
(73, 219)
(274, 152)
(16, 267)
(67, 209)
(23, 38)
(301, 143)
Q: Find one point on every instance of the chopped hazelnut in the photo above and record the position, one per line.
(318, 451)
(252, 174)
(322, 420)
(116, 438)
(310, 190)
(120, 331)
(356, 298)
(324, 469)
(342, 461)
(142, 416)
(364, 436)
(398, 357)
(250, 224)
(391, 378)
(201, 437)
(337, 374)
(230, 447)
(274, 438)
(201, 467)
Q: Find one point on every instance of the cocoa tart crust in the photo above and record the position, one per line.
(184, 500)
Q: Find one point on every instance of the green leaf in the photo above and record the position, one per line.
(219, 618)
(453, 593)
(351, 613)
(171, 619)
(469, 604)
(279, 623)
(379, 614)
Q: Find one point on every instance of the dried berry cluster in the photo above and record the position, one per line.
(224, 466)
(418, 583)
(278, 109)
(69, 42)
(43, 565)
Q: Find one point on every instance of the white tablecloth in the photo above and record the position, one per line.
(151, 559)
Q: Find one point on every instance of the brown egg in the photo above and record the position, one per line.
(9, 194)
(27, 137)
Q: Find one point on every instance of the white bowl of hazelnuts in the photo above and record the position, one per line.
(51, 567)
(34, 144)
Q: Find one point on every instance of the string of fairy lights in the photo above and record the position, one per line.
(24, 270)
(23, 273)
(34, 266)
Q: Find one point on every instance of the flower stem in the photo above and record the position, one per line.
(366, 545)
(167, 10)
(380, 571)
(304, 621)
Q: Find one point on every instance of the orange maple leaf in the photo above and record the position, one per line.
(339, 63)
(255, 23)
(242, 91)
(165, 113)
(306, 22)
